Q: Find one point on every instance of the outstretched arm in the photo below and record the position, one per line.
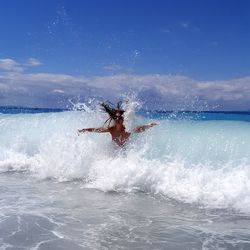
(143, 127)
(97, 130)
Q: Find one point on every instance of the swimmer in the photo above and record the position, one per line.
(117, 130)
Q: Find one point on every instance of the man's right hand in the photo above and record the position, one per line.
(153, 124)
(80, 131)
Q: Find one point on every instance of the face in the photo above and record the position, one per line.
(119, 118)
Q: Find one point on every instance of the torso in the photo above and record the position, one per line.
(119, 137)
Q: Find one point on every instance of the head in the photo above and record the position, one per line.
(118, 118)
(115, 114)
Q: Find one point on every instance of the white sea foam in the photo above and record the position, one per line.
(204, 162)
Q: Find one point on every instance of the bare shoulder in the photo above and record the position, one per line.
(111, 129)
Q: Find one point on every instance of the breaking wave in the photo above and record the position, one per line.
(203, 162)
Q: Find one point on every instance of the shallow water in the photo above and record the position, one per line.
(44, 214)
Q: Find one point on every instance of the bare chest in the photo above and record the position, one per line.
(120, 137)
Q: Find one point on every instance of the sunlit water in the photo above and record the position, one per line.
(184, 184)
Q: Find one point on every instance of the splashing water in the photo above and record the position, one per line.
(205, 162)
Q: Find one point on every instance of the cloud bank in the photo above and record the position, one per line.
(162, 92)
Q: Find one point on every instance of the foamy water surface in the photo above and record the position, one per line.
(184, 184)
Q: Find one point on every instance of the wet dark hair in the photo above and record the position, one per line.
(112, 111)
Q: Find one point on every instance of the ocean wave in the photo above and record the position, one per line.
(204, 162)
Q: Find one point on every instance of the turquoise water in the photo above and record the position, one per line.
(205, 115)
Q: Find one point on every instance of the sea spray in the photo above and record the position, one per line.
(203, 162)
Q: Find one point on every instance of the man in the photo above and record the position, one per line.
(117, 130)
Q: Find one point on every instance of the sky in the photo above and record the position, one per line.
(171, 54)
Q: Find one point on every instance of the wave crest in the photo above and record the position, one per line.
(191, 161)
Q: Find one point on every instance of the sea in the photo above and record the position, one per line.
(183, 184)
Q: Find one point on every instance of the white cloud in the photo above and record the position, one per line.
(58, 91)
(184, 25)
(160, 91)
(10, 65)
(166, 31)
(113, 67)
(189, 26)
(33, 62)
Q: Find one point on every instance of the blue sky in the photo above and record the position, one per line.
(204, 42)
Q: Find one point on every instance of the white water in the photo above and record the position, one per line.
(201, 162)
